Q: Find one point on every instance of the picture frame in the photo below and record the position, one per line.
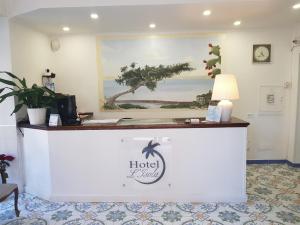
(261, 53)
(187, 90)
(214, 113)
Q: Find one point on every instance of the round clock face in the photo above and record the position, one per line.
(55, 45)
(261, 53)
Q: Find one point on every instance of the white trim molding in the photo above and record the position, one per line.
(294, 103)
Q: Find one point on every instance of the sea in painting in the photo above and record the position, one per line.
(170, 93)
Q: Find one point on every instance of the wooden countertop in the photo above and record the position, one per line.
(179, 123)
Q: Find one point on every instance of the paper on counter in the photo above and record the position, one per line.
(105, 121)
(195, 121)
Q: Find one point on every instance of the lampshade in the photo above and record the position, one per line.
(225, 88)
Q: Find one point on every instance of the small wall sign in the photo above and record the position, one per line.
(54, 120)
(144, 162)
(271, 98)
(151, 169)
(214, 113)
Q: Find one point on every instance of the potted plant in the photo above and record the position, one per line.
(36, 98)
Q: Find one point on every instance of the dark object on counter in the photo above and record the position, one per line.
(66, 106)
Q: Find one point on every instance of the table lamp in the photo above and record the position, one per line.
(225, 89)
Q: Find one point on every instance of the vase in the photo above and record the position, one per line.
(37, 116)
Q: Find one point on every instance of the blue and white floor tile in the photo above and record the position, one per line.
(273, 199)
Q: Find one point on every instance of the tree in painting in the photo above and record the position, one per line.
(135, 77)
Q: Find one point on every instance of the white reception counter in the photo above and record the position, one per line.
(170, 161)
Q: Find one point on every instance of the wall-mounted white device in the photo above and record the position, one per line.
(48, 80)
(296, 43)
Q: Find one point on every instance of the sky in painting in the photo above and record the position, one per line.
(154, 51)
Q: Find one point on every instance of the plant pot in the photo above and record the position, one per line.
(37, 116)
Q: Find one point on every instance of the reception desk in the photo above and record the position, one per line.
(137, 160)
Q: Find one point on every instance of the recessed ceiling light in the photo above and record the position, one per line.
(94, 16)
(206, 13)
(237, 23)
(296, 6)
(66, 29)
(152, 25)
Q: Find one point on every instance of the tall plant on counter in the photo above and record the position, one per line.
(36, 98)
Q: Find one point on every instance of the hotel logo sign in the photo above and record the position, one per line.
(150, 168)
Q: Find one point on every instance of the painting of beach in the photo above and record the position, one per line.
(155, 73)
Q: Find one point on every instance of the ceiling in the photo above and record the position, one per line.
(168, 17)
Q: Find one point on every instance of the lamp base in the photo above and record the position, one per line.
(226, 107)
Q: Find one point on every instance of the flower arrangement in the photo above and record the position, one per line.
(211, 64)
(4, 162)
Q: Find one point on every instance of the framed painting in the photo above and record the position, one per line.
(154, 72)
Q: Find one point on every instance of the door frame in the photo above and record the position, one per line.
(294, 103)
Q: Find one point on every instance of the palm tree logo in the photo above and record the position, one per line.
(150, 151)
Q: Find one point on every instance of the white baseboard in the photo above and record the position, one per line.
(135, 198)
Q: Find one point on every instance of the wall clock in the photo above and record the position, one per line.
(262, 53)
(55, 45)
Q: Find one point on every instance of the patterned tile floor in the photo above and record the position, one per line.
(273, 193)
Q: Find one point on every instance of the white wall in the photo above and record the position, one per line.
(8, 132)
(268, 133)
(31, 53)
(76, 68)
(77, 74)
(297, 31)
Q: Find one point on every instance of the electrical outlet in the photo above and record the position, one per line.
(287, 85)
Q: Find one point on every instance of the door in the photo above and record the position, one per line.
(294, 119)
(297, 133)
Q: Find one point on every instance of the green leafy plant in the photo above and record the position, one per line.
(33, 97)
